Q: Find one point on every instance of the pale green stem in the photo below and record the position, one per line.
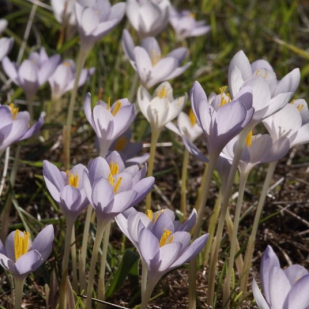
(133, 87)
(197, 228)
(30, 106)
(228, 278)
(224, 206)
(251, 242)
(211, 227)
(65, 262)
(146, 294)
(184, 175)
(155, 133)
(81, 59)
(74, 261)
(19, 285)
(5, 169)
(96, 246)
(201, 188)
(101, 286)
(82, 262)
(144, 278)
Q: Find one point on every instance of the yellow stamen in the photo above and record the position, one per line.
(66, 64)
(266, 74)
(117, 186)
(300, 107)
(150, 214)
(292, 102)
(116, 108)
(21, 244)
(154, 57)
(162, 93)
(111, 179)
(164, 238)
(249, 139)
(14, 111)
(114, 168)
(192, 118)
(192, 15)
(121, 143)
(222, 89)
(108, 103)
(223, 100)
(73, 180)
(257, 73)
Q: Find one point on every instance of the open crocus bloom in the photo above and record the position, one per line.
(33, 72)
(269, 94)
(148, 62)
(147, 17)
(283, 289)
(162, 244)
(20, 256)
(185, 24)
(67, 188)
(161, 108)
(96, 18)
(109, 121)
(14, 126)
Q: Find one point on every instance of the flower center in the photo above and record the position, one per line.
(192, 15)
(14, 111)
(21, 243)
(192, 118)
(225, 97)
(249, 139)
(72, 179)
(155, 57)
(121, 143)
(165, 238)
(114, 167)
(262, 73)
(150, 215)
(66, 64)
(116, 108)
(162, 93)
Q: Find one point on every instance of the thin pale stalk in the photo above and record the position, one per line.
(224, 206)
(155, 133)
(5, 169)
(30, 100)
(82, 264)
(144, 278)
(251, 242)
(101, 286)
(65, 262)
(96, 246)
(74, 261)
(184, 176)
(133, 87)
(200, 190)
(19, 285)
(81, 59)
(228, 278)
(197, 228)
(147, 293)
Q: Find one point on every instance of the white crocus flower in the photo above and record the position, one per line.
(160, 108)
(64, 11)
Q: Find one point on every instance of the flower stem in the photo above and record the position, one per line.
(65, 262)
(251, 242)
(81, 59)
(82, 261)
(197, 228)
(184, 175)
(146, 294)
(101, 286)
(227, 284)
(201, 188)
(5, 169)
(74, 262)
(19, 285)
(155, 133)
(96, 246)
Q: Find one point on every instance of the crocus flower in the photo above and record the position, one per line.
(147, 17)
(185, 24)
(64, 11)
(148, 62)
(160, 108)
(269, 95)
(62, 80)
(6, 45)
(67, 189)
(109, 122)
(14, 126)
(96, 18)
(20, 256)
(32, 73)
(161, 246)
(283, 289)
(112, 188)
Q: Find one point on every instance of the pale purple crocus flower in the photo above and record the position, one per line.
(161, 246)
(149, 63)
(185, 24)
(160, 108)
(95, 19)
(67, 188)
(269, 94)
(32, 73)
(21, 256)
(283, 289)
(109, 121)
(291, 122)
(14, 126)
(147, 17)
(62, 80)
(6, 44)
(64, 11)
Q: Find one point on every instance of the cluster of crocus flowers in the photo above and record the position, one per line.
(148, 62)
(283, 289)
(163, 244)
(109, 121)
